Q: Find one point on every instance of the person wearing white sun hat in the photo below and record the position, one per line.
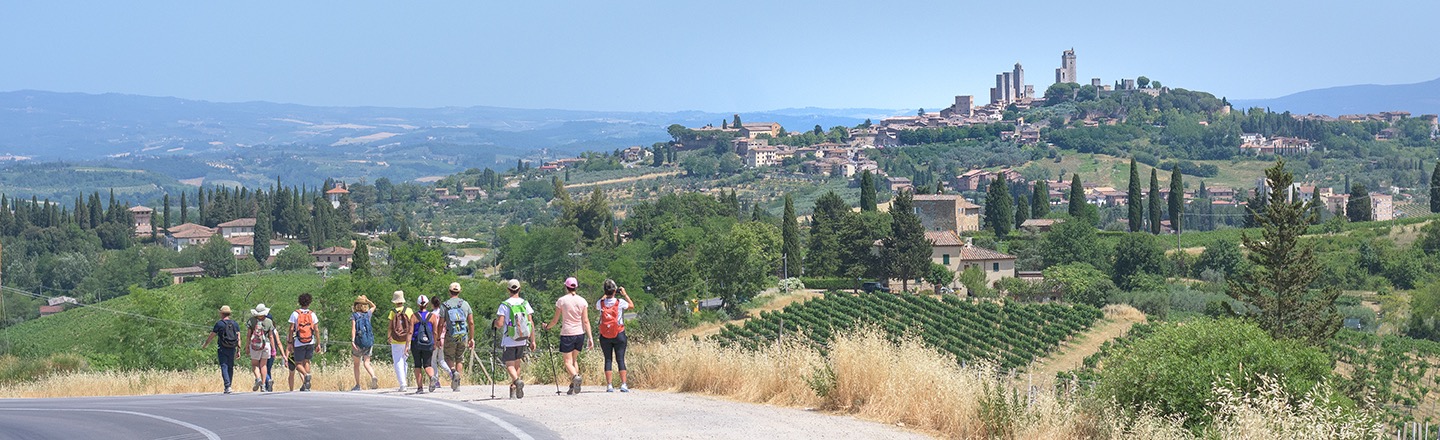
(260, 338)
(402, 323)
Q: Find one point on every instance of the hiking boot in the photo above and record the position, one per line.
(624, 388)
(357, 388)
(454, 381)
(306, 386)
(575, 384)
(256, 387)
(519, 389)
(374, 383)
(227, 390)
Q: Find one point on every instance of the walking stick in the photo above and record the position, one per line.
(494, 342)
(554, 369)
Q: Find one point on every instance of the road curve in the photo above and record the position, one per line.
(349, 416)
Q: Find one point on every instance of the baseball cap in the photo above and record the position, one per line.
(571, 283)
(455, 287)
(422, 300)
(513, 285)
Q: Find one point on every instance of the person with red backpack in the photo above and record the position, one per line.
(305, 331)
(612, 331)
(261, 338)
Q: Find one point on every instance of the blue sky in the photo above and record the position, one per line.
(683, 55)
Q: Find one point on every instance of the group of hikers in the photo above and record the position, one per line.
(433, 334)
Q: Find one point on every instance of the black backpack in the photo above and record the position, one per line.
(424, 336)
(229, 334)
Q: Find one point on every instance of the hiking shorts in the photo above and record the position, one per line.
(362, 352)
(260, 355)
(455, 349)
(572, 343)
(422, 358)
(304, 353)
(512, 354)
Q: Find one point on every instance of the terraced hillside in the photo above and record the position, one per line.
(1011, 334)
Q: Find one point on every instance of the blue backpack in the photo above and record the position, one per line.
(424, 335)
(364, 337)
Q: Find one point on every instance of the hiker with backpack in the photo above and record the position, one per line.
(362, 339)
(402, 323)
(228, 333)
(458, 332)
(572, 312)
(612, 331)
(515, 323)
(261, 339)
(422, 345)
(304, 330)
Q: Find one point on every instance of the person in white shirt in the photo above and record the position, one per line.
(612, 332)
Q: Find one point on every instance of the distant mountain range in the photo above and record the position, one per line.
(78, 126)
(1418, 98)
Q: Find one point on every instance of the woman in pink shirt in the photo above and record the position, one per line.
(573, 314)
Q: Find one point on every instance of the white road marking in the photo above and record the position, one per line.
(514, 430)
(210, 435)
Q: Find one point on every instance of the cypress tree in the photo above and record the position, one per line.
(1155, 201)
(1077, 197)
(360, 262)
(822, 255)
(184, 209)
(867, 192)
(1135, 200)
(1022, 211)
(999, 214)
(166, 222)
(1358, 209)
(1177, 199)
(1435, 188)
(1040, 200)
(790, 239)
(263, 231)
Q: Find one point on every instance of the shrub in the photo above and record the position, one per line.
(1172, 371)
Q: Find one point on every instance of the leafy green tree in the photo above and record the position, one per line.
(1142, 82)
(973, 278)
(999, 214)
(738, 264)
(828, 216)
(1040, 200)
(1077, 198)
(1154, 201)
(858, 233)
(1278, 284)
(1358, 209)
(418, 268)
(939, 276)
(868, 199)
(1079, 283)
(217, 258)
(1073, 242)
(790, 248)
(906, 252)
(1135, 201)
(1223, 256)
(1177, 199)
(293, 258)
(540, 255)
(1136, 255)
(673, 280)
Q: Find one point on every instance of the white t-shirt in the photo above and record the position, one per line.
(295, 317)
(602, 302)
(504, 310)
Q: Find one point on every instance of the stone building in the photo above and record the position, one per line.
(1066, 72)
(947, 212)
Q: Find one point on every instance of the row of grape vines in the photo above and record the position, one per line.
(1011, 334)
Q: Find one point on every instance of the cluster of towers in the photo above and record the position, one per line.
(1010, 86)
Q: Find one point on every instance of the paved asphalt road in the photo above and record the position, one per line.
(348, 416)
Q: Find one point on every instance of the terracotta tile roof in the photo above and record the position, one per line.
(141, 208)
(943, 238)
(337, 190)
(333, 251)
(249, 240)
(239, 223)
(972, 253)
(191, 231)
(960, 202)
(184, 271)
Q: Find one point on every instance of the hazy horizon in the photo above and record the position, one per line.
(672, 57)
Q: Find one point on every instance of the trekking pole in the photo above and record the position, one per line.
(494, 342)
(554, 369)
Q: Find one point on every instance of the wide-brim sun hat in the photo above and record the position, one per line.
(398, 297)
(362, 299)
(225, 309)
(260, 310)
(572, 283)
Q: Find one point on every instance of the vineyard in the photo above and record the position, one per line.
(1012, 334)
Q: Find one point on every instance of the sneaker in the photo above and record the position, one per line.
(227, 390)
(519, 389)
(256, 387)
(401, 389)
(374, 383)
(454, 381)
(435, 383)
(512, 391)
(624, 388)
(575, 384)
(269, 386)
(609, 388)
(306, 386)
(357, 388)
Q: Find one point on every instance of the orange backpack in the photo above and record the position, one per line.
(610, 326)
(305, 327)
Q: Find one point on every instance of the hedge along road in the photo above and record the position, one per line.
(350, 416)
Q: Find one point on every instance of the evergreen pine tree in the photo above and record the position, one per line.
(184, 209)
(264, 230)
(736, 123)
(1077, 198)
(1435, 188)
(868, 199)
(1154, 201)
(1284, 268)
(822, 256)
(999, 212)
(1135, 201)
(906, 252)
(1177, 199)
(166, 222)
(1358, 209)
(1022, 211)
(790, 247)
(1040, 200)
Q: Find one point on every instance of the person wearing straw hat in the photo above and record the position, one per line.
(229, 333)
(572, 312)
(513, 320)
(459, 334)
(260, 339)
(402, 323)
(362, 339)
